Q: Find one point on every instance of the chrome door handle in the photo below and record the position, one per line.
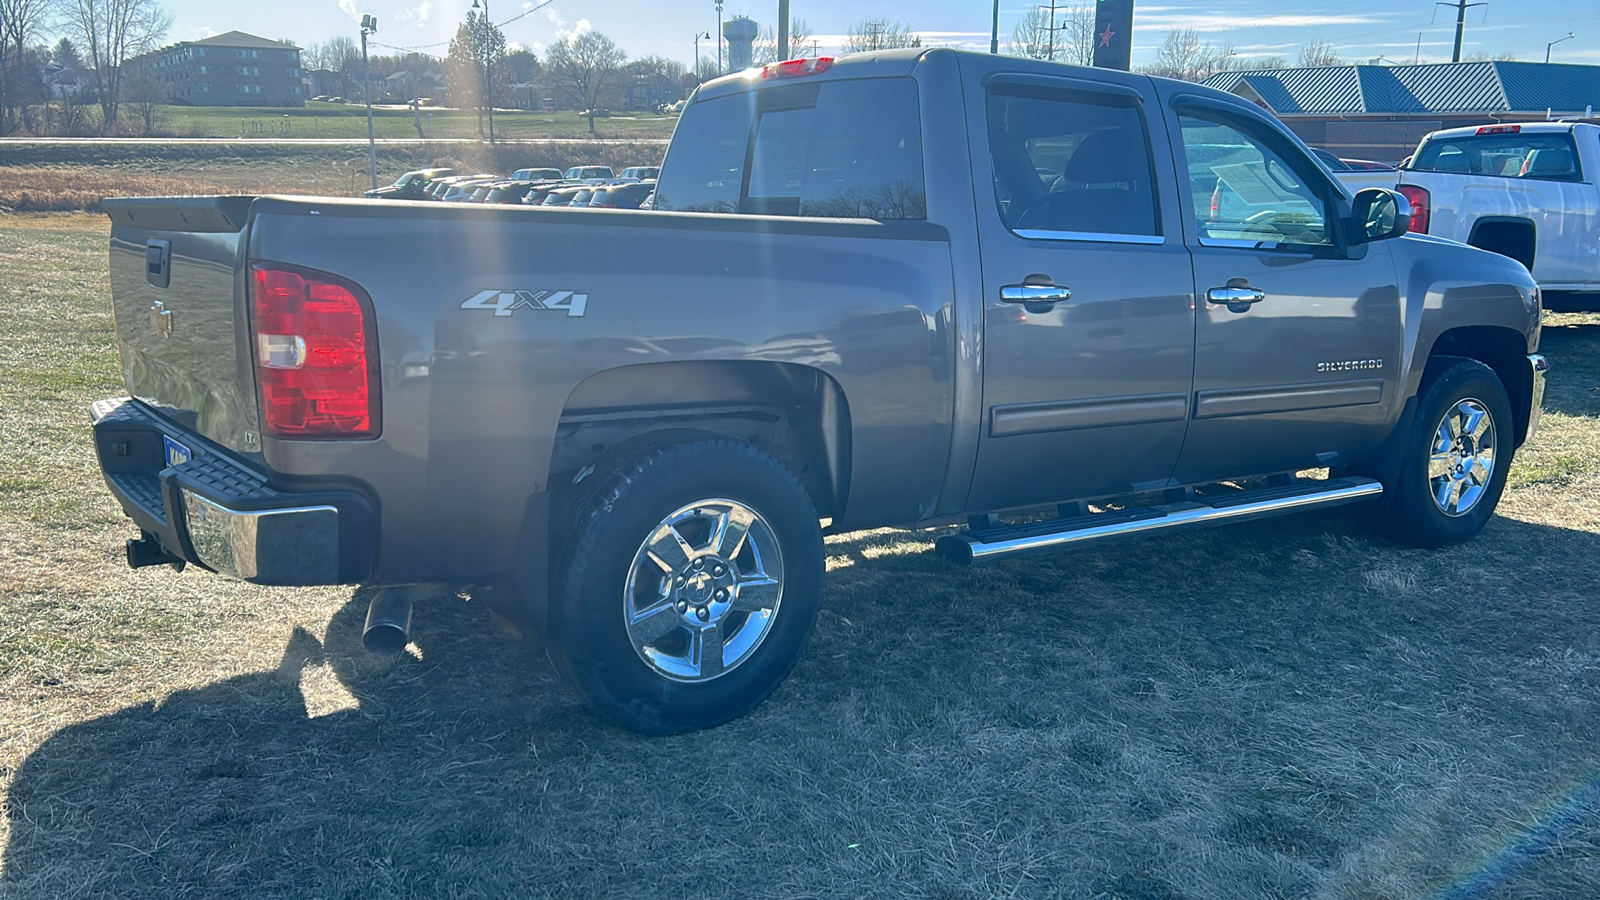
(1231, 295)
(1035, 293)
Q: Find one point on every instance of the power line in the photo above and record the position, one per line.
(524, 13)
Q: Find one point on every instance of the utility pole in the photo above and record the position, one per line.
(719, 37)
(369, 25)
(783, 29)
(994, 30)
(1052, 41)
(1461, 7)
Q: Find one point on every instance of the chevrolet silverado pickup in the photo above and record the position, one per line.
(1527, 191)
(911, 288)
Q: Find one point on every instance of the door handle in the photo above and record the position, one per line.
(1035, 297)
(1238, 295)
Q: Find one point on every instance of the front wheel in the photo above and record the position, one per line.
(1456, 460)
(690, 587)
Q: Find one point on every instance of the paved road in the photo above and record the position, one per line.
(317, 142)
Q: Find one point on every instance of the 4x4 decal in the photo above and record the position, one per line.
(504, 303)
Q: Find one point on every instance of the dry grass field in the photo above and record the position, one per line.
(1288, 709)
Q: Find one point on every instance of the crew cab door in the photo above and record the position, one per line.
(1088, 294)
(1298, 336)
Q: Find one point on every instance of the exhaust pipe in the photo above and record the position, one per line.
(388, 627)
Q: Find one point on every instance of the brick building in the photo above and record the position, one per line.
(232, 69)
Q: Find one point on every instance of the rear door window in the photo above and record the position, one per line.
(1071, 164)
(847, 149)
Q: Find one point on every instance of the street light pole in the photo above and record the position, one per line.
(1547, 47)
(369, 25)
(719, 37)
(783, 29)
(994, 30)
(697, 36)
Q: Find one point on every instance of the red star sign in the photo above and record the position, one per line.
(1105, 37)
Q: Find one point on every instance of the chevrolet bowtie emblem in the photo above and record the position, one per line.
(161, 319)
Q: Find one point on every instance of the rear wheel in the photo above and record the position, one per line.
(1455, 463)
(690, 587)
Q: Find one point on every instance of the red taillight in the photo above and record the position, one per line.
(1421, 207)
(794, 68)
(1500, 129)
(1216, 201)
(315, 356)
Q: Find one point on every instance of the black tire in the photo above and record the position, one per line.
(603, 584)
(1415, 515)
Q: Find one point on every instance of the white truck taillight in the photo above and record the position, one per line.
(1421, 207)
(316, 354)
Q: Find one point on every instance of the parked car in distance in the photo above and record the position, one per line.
(1524, 190)
(536, 175)
(640, 173)
(537, 193)
(621, 196)
(590, 174)
(508, 192)
(567, 196)
(1329, 160)
(462, 191)
(409, 186)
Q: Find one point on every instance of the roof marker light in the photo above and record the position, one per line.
(796, 68)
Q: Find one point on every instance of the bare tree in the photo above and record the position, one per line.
(1276, 61)
(880, 34)
(1317, 53)
(19, 20)
(1071, 41)
(143, 90)
(766, 46)
(109, 33)
(1183, 55)
(584, 68)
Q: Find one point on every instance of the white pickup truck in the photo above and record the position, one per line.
(1527, 191)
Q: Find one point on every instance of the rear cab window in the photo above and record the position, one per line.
(837, 149)
(1543, 156)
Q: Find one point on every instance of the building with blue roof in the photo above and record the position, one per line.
(1381, 112)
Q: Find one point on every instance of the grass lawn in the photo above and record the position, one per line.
(349, 120)
(1287, 709)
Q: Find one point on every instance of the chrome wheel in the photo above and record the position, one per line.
(703, 590)
(1461, 463)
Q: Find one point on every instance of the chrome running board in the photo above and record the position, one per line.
(1006, 541)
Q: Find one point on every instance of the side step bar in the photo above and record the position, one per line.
(1019, 540)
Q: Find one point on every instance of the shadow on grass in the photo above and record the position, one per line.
(1279, 709)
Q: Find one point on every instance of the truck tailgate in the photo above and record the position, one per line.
(179, 301)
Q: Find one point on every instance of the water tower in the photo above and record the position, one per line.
(741, 32)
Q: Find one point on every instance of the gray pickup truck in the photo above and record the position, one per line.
(908, 288)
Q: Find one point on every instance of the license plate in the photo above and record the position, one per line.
(177, 454)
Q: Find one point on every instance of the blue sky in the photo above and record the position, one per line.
(1359, 29)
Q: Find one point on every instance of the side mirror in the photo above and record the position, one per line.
(1378, 214)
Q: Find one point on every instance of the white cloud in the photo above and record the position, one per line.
(1218, 22)
(349, 7)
